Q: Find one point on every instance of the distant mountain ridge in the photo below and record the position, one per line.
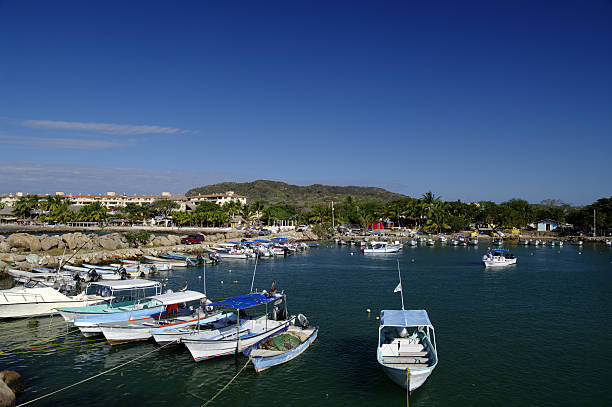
(275, 192)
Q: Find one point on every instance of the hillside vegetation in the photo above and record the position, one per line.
(274, 192)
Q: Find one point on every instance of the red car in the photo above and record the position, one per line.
(192, 239)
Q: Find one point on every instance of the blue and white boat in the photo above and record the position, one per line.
(406, 347)
(126, 295)
(242, 335)
(406, 344)
(283, 347)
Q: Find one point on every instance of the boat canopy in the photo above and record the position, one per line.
(404, 318)
(263, 241)
(127, 284)
(178, 297)
(245, 301)
(278, 239)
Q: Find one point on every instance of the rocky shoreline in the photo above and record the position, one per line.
(78, 248)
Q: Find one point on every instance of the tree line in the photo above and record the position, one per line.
(429, 213)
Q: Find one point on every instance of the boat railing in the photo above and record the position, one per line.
(12, 297)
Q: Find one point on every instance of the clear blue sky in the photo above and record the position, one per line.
(472, 100)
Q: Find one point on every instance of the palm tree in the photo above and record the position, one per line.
(25, 205)
(94, 212)
(436, 218)
(51, 202)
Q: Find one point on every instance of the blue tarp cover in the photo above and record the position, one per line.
(262, 241)
(394, 317)
(245, 301)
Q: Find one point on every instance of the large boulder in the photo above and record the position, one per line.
(24, 241)
(109, 242)
(7, 397)
(174, 239)
(49, 242)
(5, 247)
(68, 239)
(13, 380)
(161, 241)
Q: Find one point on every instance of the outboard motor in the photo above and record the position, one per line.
(303, 321)
(93, 275)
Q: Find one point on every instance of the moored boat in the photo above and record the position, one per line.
(498, 257)
(283, 347)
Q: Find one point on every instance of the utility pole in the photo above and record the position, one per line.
(594, 230)
(333, 220)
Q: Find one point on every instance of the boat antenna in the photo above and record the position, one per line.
(400, 283)
(254, 270)
(204, 276)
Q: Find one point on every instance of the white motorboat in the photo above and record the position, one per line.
(411, 243)
(608, 242)
(498, 241)
(473, 241)
(454, 242)
(244, 334)
(36, 299)
(498, 257)
(381, 247)
(173, 316)
(174, 263)
(430, 242)
(158, 266)
(442, 239)
(406, 347)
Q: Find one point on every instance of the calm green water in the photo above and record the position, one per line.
(537, 333)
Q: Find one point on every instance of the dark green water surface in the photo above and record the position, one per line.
(537, 333)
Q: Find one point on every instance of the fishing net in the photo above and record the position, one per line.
(281, 342)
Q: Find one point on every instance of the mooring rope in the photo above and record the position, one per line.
(94, 376)
(227, 385)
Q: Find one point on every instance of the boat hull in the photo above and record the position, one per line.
(210, 348)
(398, 376)
(262, 363)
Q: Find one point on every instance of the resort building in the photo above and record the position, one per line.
(219, 199)
(111, 200)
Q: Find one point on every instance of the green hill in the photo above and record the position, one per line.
(274, 192)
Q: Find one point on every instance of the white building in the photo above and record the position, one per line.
(219, 199)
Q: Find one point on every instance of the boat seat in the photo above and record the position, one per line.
(404, 366)
(405, 360)
(414, 354)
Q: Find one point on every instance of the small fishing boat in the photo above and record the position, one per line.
(174, 263)
(498, 241)
(608, 242)
(523, 242)
(126, 296)
(203, 346)
(381, 247)
(411, 243)
(283, 347)
(151, 265)
(442, 239)
(577, 242)
(172, 316)
(473, 241)
(498, 257)
(406, 349)
(454, 242)
(430, 242)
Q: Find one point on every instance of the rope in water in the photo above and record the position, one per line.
(29, 345)
(227, 385)
(94, 376)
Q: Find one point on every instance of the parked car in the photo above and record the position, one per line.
(302, 228)
(264, 232)
(192, 239)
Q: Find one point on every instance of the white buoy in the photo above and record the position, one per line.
(199, 277)
(377, 318)
(230, 270)
(235, 281)
(368, 310)
(221, 281)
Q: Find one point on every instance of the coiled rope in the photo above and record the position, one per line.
(94, 376)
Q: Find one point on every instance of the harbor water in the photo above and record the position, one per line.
(537, 333)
